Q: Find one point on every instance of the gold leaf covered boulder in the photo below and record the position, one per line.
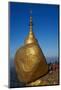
(30, 62)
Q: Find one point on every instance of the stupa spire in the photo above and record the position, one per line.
(31, 21)
(30, 38)
(31, 24)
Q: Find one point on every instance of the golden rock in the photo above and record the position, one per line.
(29, 60)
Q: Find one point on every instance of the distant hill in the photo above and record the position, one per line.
(52, 59)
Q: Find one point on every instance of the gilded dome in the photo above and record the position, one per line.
(30, 61)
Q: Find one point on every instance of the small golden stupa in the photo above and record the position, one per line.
(30, 62)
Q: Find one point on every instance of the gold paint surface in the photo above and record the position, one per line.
(29, 59)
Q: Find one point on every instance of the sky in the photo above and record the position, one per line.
(45, 26)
